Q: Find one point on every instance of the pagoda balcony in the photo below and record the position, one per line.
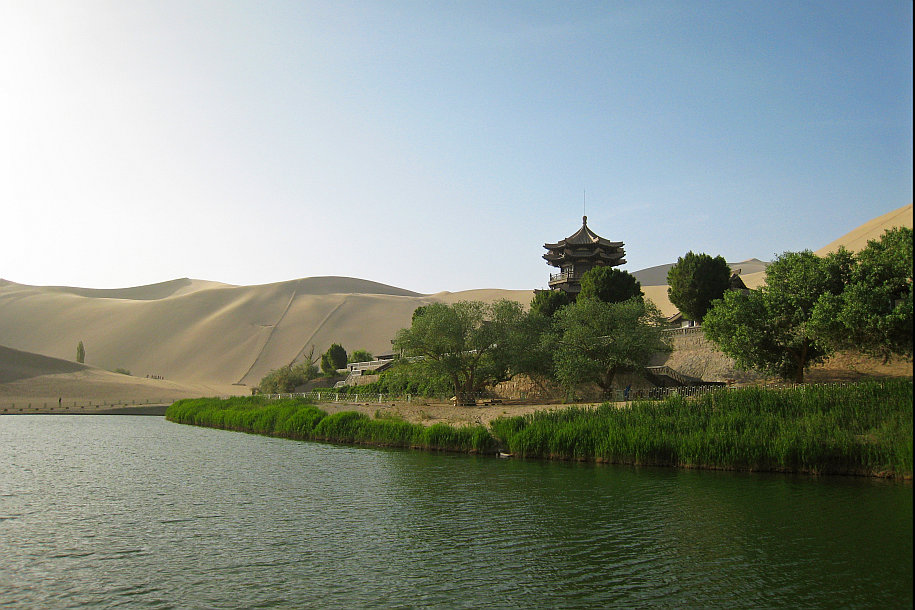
(565, 276)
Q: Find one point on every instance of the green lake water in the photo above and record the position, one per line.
(107, 511)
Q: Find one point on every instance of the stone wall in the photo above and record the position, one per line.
(696, 356)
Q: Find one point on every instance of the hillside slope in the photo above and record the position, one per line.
(753, 271)
(201, 332)
(36, 380)
(198, 332)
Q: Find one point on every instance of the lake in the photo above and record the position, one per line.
(106, 511)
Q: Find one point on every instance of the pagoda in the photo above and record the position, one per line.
(579, 253)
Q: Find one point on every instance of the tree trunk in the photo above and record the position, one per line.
(606, 380)
(457, 388)
(800, 360)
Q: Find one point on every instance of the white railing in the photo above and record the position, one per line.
(341, 397)
(686, 330)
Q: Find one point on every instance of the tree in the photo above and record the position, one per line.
(360, 355)
(333, 359)
(609, 285)
(418, 312)
(596, 340)
(469, 342)
(768, 329)
(695, 281)
(547, 302)
(288, 378)
(80, 353)
(873, 313)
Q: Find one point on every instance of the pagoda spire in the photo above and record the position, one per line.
(579, 253)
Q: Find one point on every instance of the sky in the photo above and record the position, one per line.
(438, 145)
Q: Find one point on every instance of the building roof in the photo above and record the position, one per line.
(584, 245)
(584, 237)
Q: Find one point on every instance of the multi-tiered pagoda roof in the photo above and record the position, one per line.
(579, 253)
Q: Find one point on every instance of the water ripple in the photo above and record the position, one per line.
(137, 512)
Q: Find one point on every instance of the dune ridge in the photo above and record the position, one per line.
(857, 239)
(196, 332)
(222, 338)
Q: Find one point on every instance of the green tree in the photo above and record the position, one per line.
(768, 329)
(360, 355)
(288, 378)
(695, 281)
(80, 353)
(609, 285)
(469, 342)
(418, 312)
(873, 313)
(413, 377)
(596, 340)
(333, 359)
(547, 302)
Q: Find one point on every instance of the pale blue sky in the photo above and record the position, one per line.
(437, 145)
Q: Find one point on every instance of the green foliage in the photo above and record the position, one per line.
(610, 285)
(122, 371)
(768, 329)
(80, 353)
(595, 340)
(406, 377)
(360, 355)
(298, 419)
(287, 378)
(695, 281)
(333, 359)
(874, 311)
(864, 428)
(469, 342)
(547, 302)
(418, 312)
(861, 429)
(530, 346)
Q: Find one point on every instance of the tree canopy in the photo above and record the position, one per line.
(360, 355)
(333, 359)
(609, 285)
(547, 302)
(470, 342)
(596, 340)
(287, 378)
(695, 281)
(769, 328)
(874, 311)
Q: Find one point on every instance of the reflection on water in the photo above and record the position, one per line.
(138, 511)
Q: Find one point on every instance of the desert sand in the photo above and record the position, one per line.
(857, 239)
(191, 337)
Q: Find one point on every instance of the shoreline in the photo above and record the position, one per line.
(148, 410)
(861, 430)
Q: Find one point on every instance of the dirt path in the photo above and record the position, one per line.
(427, 412)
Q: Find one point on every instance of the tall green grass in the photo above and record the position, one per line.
(299, 419)
(864, 428)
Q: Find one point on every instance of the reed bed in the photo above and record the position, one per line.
(864, 428)
(296, 418)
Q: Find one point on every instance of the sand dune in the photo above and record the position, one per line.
(28, 379)
(856, 240)
(753, 271)
(199, 332)
(654, 281)
(16, 365)
(213, 338)
(657, 276)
